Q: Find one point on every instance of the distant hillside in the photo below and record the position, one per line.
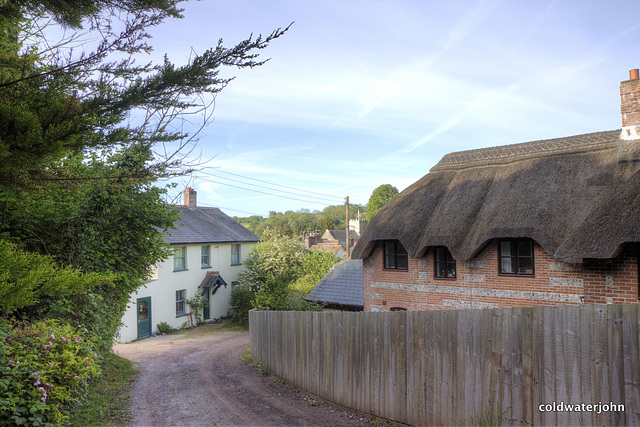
(295, 224)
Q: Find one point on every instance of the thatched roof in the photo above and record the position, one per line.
(578, 197)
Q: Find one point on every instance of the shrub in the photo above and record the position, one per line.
(164, 328)
(242, 300)
(296, 302)
(197, 303)
(273, 294)
(44, 367)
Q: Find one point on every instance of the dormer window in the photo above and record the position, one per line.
(395, 256)
(445, 265)
(515, 256)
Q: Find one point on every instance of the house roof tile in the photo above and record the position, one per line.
(341, 285)
(207, 225)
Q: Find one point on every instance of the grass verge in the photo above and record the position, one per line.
(108, 400)
(199, 331)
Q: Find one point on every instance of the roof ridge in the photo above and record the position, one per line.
(505, 154)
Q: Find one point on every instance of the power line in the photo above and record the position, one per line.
(268, 188)
(229, 209)
(268, 194)
(280, 185)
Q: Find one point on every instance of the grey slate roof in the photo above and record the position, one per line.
(207, 225)
(341, 285)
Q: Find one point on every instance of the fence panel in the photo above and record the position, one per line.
(463, 366)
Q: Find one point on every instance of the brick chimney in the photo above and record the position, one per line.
(190, 197)
(630, 106)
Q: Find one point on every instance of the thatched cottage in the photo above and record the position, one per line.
(539, 223)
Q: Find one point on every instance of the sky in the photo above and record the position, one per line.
(363, 93)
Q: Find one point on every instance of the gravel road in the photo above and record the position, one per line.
(200, 380)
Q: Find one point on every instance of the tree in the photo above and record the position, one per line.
(84, 140)
(86, 137)
(380, 196)
(315, 266)
(53, 105)
(275, 256)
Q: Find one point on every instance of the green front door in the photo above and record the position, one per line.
(144, 317)
(205, 310)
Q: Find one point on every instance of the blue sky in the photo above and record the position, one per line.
(363, 93)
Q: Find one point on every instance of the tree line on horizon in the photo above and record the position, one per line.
(297, 224)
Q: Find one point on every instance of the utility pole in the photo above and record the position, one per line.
(348, 251)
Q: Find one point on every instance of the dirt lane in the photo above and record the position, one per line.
(200, 380)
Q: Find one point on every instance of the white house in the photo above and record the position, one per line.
(209, 248)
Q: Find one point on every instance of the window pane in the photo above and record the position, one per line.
(180, 297)
(389, 255)
(524, 248)
(440, 270)
(403, 261)
(143, 310)
(205, 255)
(179, 258)
(525, 265)
(235, 254)
(402, 257)
(451, 271)
(506, 266)
(505, 248)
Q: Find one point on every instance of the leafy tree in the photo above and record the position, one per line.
(380, 196)
(314, 266)
(26, 278)
(275, 256)
(283, 228)
(84, 139)
(278, 274)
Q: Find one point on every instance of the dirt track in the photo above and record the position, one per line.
(200, 380)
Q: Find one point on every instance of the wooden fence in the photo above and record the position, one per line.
(462, 366)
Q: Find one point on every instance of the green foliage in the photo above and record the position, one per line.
(278, 274)
(83, 141)
(242, 301)
(295, 224)
(26, 278)
(273, 294)
(380, 196)
(314, 266)
(274, 256)
(296, 302)
(44, 367)
(197, 303)
(107, 402)
(164, 328)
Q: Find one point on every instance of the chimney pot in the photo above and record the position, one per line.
(633, 74)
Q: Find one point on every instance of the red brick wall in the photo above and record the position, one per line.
(630, 106)
(479, 285)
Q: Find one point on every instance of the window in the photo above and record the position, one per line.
(181, 296)
(445, 265)
(205, 256)
(235, 284)
(180, 258)
(395, 256)
(235, 254)
(515, 256)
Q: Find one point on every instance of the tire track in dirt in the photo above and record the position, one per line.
(202, 381)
